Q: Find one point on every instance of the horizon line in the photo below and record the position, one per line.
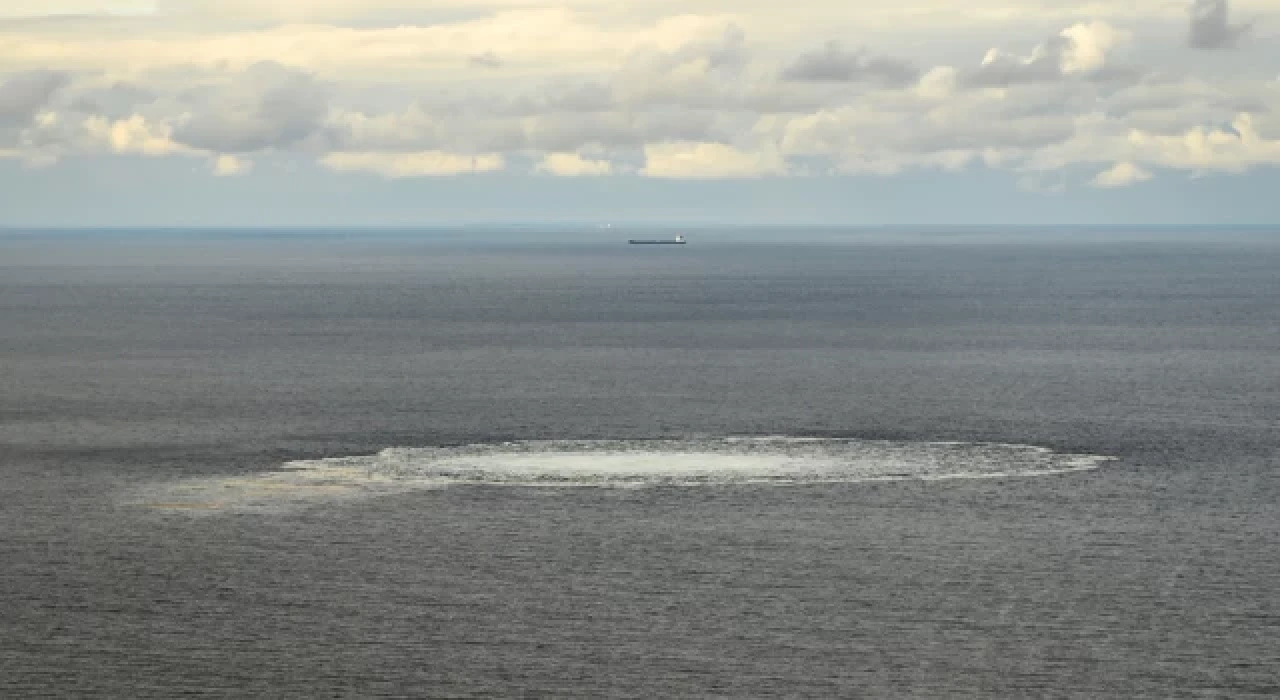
(594, 226)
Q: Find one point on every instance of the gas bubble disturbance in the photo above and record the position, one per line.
(724, 461)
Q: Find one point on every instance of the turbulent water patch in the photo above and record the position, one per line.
(613, 463)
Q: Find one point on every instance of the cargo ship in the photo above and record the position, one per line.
(678, 240)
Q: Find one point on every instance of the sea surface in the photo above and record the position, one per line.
(542, 463)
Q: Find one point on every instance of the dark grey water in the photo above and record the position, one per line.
(148, 382)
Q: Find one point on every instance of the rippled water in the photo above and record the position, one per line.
(388, 466)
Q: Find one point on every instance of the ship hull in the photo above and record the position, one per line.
(656, 242)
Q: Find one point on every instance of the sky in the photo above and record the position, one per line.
(428, 112)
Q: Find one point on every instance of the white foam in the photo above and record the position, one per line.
(613, 463)
(577, 465)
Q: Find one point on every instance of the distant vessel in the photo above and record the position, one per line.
(678, 240)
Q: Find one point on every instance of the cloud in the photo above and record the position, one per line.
(116, 100)
(623, 129)
(938, 84)
(686, 160)
(79, 8)
(399, 88)
(1081, 50)
(538, 39)
(705, 71)
(488, 59)
(897, 132)
(1234, 148)
(559, 96)
(412, 129)
(1089, 45)
(573, 165)
(229, 166)
(833, 63)
(795, 18)
(137, 136)
(423, 164)
(1211, 27)
(23, 95)
(1121, 175)
(689, 92)
(42, 141)
(134, 135)
(266, 106)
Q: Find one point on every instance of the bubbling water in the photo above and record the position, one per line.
(613, 463)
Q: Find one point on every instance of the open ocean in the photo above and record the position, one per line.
(542, 463)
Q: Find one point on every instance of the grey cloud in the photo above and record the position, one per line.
(1173, 106)
(267, 106)
(1025, 103)
(1027, 119)
(74, 22)
(709, 74)
(725, 55)
(978, 134)
(552, 131)
(1211, 27)
(553, 97)
(640, 93)
(1160, 94)
(1267, 125)
(572, 132)
(833, 63)
(584, 97)
(884, 133)
(1174, 92)
(1118, 75)
(421, 128)
(115, 102)
(488, 59)
(413, 130)
(561, 97)
(715, 74)
(484, 136)
(25, 94)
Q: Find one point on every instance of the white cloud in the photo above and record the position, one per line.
(134, 135)
(938, 84)
(228, 166)
(1081, 50)
(708, 160)
(1226, 149)
(573, 164)
(424, 164)
(1090, 45)
(1121, 175)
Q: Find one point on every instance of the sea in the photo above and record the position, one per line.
(489, 462)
